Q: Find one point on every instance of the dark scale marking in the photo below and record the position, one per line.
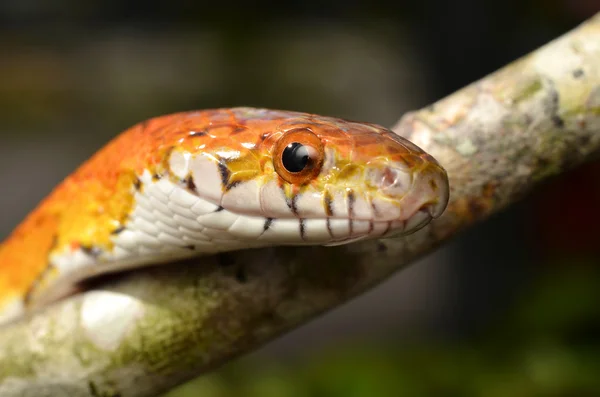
(375, 210)
(351, 200)
(381, 247)
(232, 185)
(288, 202)
(578, 73)
(91, 250)
(294, 204)
(302, 229)
(118, 230)
(190, 184)
(137, 184)
(190, 247)
(225, 174)
(329, 228)
(267, 225)
(198, 133)
(156, 177)
(328, 200)
(219, 208)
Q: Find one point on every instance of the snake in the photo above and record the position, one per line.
(212, 181)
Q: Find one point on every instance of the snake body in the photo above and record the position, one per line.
(204, 182)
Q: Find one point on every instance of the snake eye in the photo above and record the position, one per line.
(295, 157)
(298, 156)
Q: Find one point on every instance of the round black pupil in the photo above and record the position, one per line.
(295, 157)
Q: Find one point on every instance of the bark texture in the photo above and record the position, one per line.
(149, 331)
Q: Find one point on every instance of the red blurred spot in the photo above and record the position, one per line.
(567, 213)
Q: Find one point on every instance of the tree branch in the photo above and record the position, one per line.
(151, 330)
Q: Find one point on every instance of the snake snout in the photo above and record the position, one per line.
(409, 189)
(435, 185)
(430, 190)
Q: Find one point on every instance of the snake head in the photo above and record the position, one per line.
(294, 178)
(362, 180)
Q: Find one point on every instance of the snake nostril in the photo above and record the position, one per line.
(388, 178)
(395, 181)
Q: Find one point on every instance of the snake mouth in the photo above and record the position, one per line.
(389, 229)
(415, 223)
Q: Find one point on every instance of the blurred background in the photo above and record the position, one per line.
(511, 308)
